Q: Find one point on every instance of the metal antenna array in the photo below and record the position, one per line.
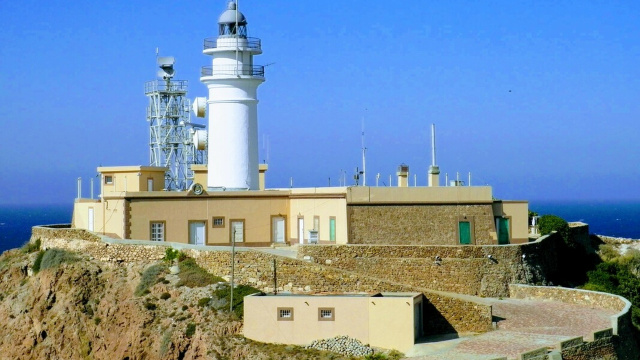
(171, 132)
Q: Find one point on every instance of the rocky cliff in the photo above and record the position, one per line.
(76, 307)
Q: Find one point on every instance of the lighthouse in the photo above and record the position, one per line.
(232, 80)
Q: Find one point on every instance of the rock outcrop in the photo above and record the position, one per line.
(87, 309)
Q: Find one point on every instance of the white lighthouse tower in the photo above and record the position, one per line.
(232, 80)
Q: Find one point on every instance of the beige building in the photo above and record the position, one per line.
(384, 320)
(133, 205)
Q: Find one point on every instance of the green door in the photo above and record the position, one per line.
(464, 228)
(503, 231)
(332, 229)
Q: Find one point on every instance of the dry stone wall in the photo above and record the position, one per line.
(472, 270)
(445, 313)
(429, 224)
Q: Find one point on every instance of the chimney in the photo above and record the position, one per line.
(262, 173)
(434, 170)
(403, 175)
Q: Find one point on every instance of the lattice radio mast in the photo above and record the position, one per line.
(174, 142)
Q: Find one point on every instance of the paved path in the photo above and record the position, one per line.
(523, 325)
(280, 251)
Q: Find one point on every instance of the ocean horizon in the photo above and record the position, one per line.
(611, 218)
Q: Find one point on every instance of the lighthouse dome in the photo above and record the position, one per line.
(229, 15)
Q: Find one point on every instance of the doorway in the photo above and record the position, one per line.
(90, 222)
(464, 230)
(301, 230)
(197, 232)
(502, 227)
(278, 229)
(237, 231)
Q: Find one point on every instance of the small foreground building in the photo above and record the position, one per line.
(383, 320)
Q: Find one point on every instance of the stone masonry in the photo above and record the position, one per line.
(460, 269)
(445, 312)
(429, 224)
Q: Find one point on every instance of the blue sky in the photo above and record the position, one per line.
(540, 99)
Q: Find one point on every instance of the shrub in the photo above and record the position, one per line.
(38, 262)
(31, 247)
(376, 356)
(170, 254)
(165, 343)
(165, 296)
(150, 306)
(549, 223)
(97, 320)
(204, 302)
(184, 307)
(238, 297)
(608, 252)
(149, 278)
(191, 329)
(53, 258)
(192, 275)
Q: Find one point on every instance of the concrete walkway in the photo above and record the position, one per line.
(289, 252)
(523, 325)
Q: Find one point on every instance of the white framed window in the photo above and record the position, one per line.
(326, 314)
(157, 231)
(108, 179)
(285, 314)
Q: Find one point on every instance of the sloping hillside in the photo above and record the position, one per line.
(75, 307)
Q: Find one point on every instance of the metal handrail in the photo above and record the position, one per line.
(161, 85)
(252, 43)
(232, 70)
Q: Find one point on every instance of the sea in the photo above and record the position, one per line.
(611, 218)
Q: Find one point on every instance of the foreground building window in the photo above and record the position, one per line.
(285, 314)
(157, 231)
(326, 314)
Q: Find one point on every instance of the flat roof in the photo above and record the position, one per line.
(361, 295)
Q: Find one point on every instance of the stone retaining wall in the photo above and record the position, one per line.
(445, 313)
(461, 269)
(62, 231)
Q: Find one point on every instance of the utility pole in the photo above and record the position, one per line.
(233, 267)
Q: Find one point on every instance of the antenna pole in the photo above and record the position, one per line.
(433, 144)
(364, 156)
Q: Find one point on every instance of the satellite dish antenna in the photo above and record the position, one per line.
(200, 139)
(166, 67)
(200, 107)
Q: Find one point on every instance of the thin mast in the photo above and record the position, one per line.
(364, 157)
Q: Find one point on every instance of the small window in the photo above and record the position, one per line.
(157, 231)
(108, 179)
(218, 222)
(285, 314)
(326, 314)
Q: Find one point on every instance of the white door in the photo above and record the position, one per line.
(196, 233)
(90, 222)
(278, 229)
(149, 184)
(301, 230)
(237, 231)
